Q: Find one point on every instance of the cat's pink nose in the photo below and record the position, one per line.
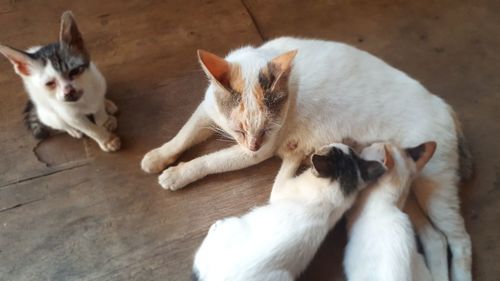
(255, 143)
(69, 90)
(254, 147)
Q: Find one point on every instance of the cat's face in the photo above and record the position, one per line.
(252, 100)
(339, 163)
(58, 70)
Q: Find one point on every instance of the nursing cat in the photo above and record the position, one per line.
(311, 93)
(66, 90)
(381, 236)
(277, 241)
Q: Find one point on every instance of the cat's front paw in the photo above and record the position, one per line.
(175, 177)
(74, 133)
(155, 161)
(110, 107)
(112, 144)
(111, 123)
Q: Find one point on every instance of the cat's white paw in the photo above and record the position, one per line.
(111, 123)
(112, 144)
(155, 161)
(74, 133)
(175, 177)
(110, 107)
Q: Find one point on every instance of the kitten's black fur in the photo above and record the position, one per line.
(347, 168)
(33, 123)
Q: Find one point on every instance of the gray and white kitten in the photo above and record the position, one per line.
(66, 90)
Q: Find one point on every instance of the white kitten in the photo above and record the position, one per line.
(382, 244)
(66, 90)
(313, 92)
(277, 241)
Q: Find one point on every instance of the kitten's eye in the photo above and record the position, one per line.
(242, 133)
(75, 72)
(51, 84)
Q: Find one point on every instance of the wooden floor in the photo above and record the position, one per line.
(71, 212)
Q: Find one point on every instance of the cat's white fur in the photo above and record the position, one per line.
(382, 244)
(51, 107)
(276, 241)
(337, 91)
(71, 117)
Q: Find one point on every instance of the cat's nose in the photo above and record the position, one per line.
(255, 143)
(254, 148)
(69, 90)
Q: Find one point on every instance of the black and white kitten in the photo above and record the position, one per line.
(66, 90)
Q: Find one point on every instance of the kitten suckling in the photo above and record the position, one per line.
(65, 88)
(382, 242)
(277, 241)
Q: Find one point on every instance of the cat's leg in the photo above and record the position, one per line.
(53, 121)
(193, 132)
(287, 171)
(111, 107)
(105, 119)
(420, 270)
(107, 141)
(437, 194)
(433, 241)
(229, 159)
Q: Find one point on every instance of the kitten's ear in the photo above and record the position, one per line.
(422, 154)
(280, 68)
(388, 160)
(215, 67)
(22, 62)
(69, 36)
(322, 166)
(371, 170)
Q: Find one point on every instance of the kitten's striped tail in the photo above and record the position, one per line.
(33, 123)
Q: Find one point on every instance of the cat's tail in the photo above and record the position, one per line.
(33, 123)
(466, 165)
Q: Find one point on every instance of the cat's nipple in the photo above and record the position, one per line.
(292, 145)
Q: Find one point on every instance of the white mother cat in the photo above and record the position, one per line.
(382, 244)
(311, 93)
(277, 241)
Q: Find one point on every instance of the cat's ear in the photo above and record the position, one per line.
(322, 166)
(280, 68)
(24, 65)
(216, 68)
(422, 154)
(371, 170)
(69, 36)
(388, 159)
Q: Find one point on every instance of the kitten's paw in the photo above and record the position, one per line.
(74, 133)
(175, 177)
(112, 144)
(111, 107)
(111, 124)
(155, 162)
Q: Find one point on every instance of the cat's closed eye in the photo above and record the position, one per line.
(242, 133)
(263, 132)
(51, 84)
